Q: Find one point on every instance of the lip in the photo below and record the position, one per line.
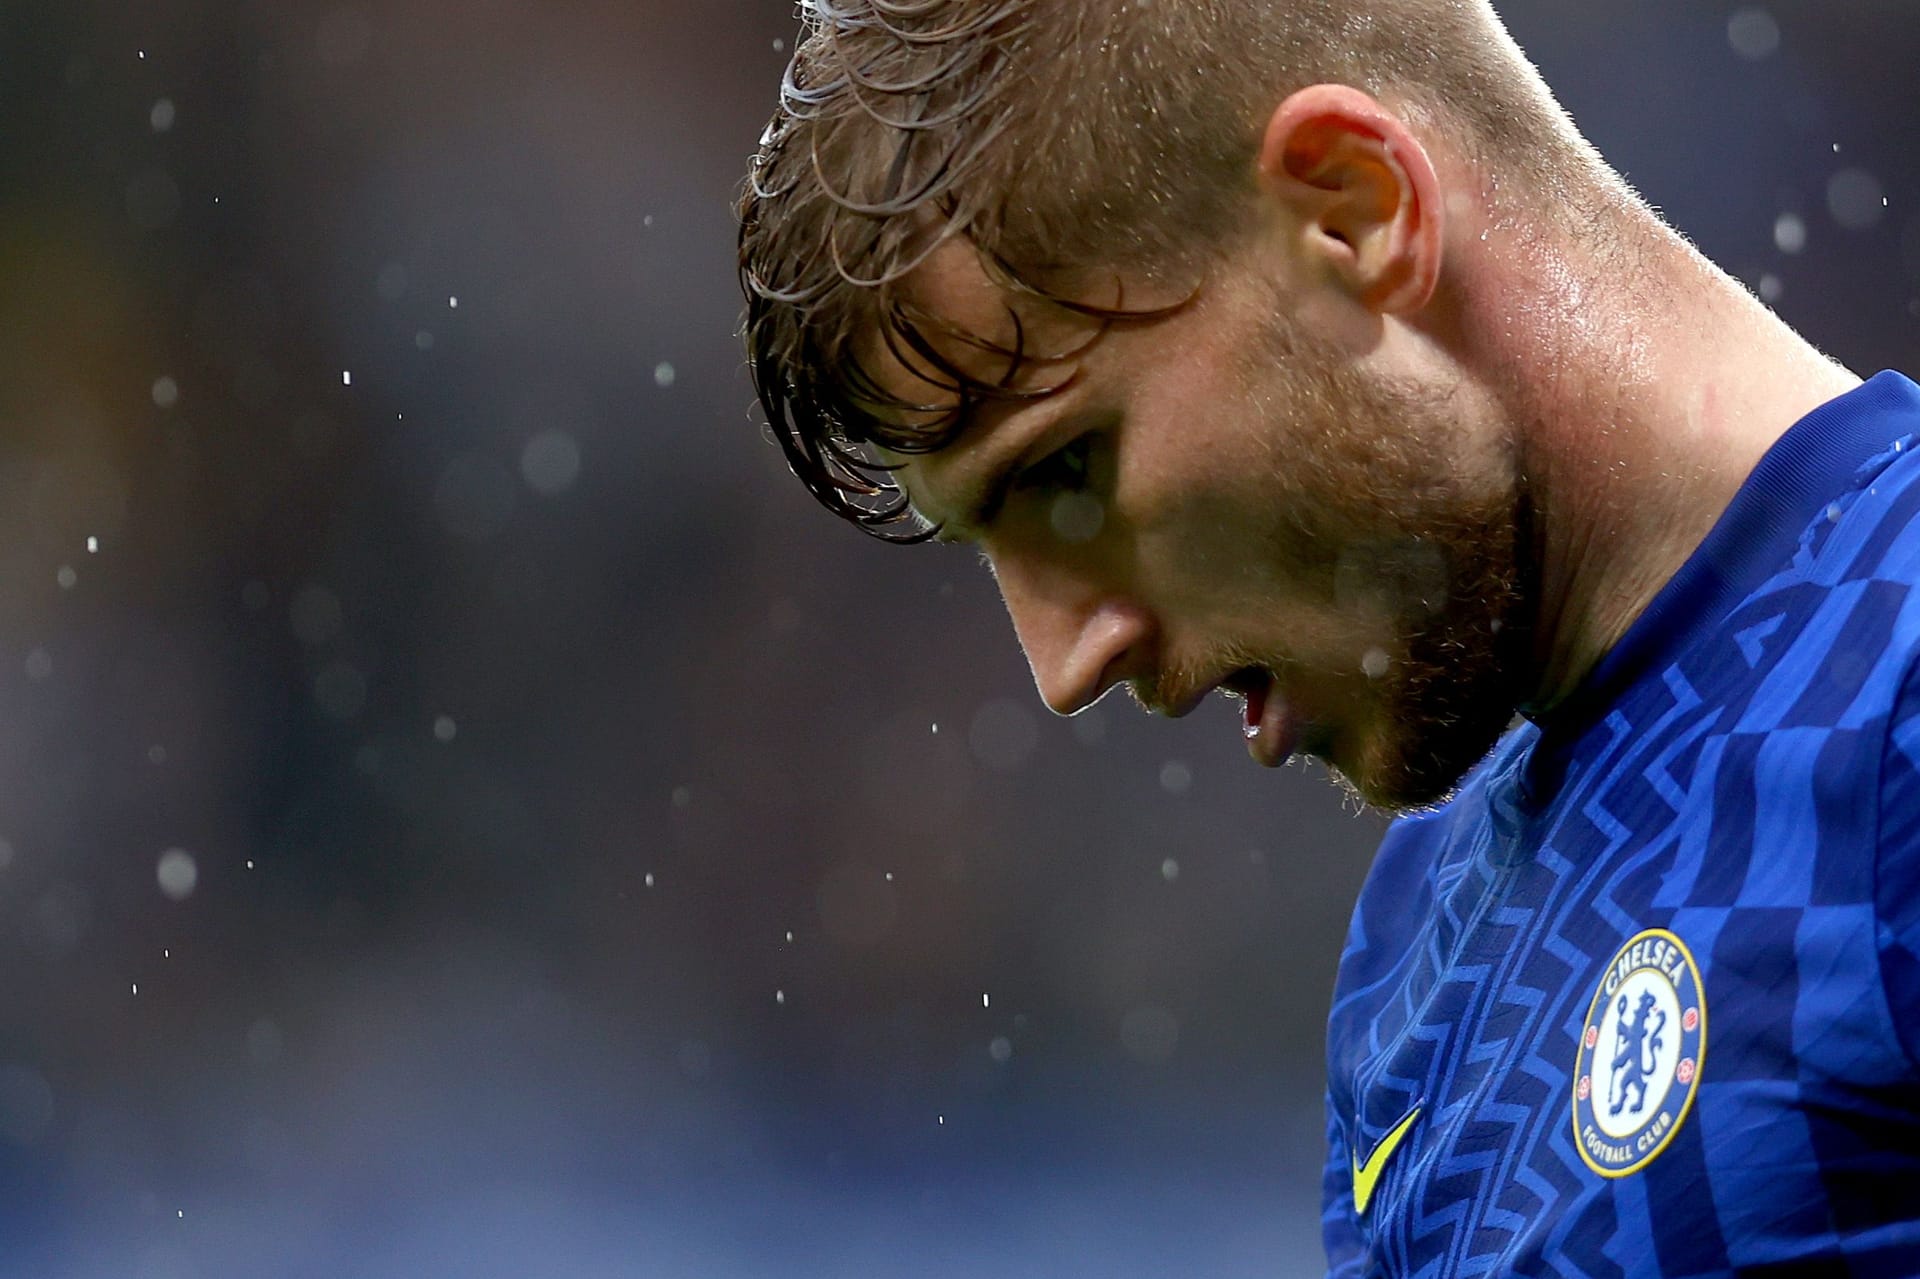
(1271, 727)
(1234, 683)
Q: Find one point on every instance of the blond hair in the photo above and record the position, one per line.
(1059, 136)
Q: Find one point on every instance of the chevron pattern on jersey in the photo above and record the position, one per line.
(1742, 771)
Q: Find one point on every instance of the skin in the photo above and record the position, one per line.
(1409, 460)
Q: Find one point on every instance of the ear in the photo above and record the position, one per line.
(1365, 193)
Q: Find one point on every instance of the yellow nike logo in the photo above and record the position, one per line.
(1367, 1175)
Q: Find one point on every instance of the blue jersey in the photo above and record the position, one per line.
(1644, 998)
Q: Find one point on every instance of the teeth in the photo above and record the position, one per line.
(1255, 708)
(1268, 727)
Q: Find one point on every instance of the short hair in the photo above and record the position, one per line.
(1061, 136)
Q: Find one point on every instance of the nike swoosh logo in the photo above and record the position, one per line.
(1367, 1175)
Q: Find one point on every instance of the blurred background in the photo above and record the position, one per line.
(464, 812)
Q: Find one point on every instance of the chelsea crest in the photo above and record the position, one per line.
(1641, 1050)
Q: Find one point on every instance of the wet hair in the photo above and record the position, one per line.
(1064, 140)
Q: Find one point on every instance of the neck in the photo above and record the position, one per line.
(1637, 418)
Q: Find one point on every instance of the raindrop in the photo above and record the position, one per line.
(156, 754)
(444, 728)
(1000, 1049)
(1771, 288)
(423, 340)
(550, 462)
(1003, 735)
(453, 304)
(856, 907)
(39, 664)
(346, 377)
(177, 873)
(1077, 517)
(1170, 870)
(6, 854)
(1753, 33)
(1175, 777)
(682, 796)
(1373, 663)
(67, 578)
(1855, 199)
(166, 392)
(648, 880)
(93, 546)
(161, 117)
(779, 996)
(1789, 233)
(986, 1001)
(663, 374)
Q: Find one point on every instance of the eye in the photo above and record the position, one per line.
(1062, 471)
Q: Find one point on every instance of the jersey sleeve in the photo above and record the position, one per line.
(1897, 878)
(1345, 1251)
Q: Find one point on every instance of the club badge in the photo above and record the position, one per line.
(1641, 1051)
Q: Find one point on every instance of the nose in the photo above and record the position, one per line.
(1079, 640)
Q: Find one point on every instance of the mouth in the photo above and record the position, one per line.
(1271, 729)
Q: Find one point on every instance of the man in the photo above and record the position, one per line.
(1302, 349)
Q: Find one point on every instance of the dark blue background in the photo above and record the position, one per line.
(427, 709)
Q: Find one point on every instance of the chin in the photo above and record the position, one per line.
(1394, 796)
(1413, 769)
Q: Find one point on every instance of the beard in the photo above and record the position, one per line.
(1396, 506)
(1445, 699)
